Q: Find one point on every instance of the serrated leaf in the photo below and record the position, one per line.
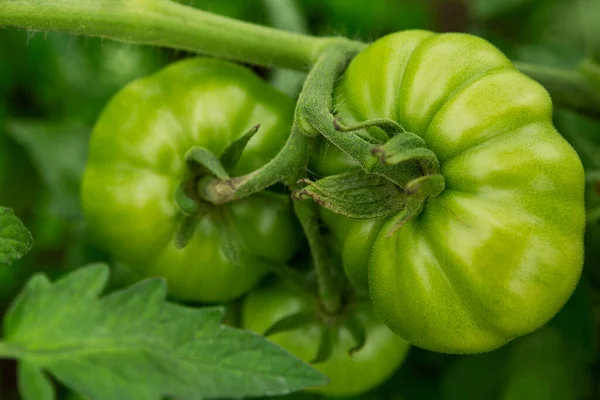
(15, 239)
(132, 344)
(33, 384)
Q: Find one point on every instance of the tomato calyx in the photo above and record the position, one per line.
(202, 164)
(329, 326)
(398, 175)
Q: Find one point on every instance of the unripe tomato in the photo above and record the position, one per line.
(499, 252)
(137, 161)
(349, 374)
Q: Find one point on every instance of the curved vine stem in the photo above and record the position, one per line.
(286, 166)
(169, 24)
(329, 288)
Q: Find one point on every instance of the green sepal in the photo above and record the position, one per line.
(186, 204)
(326, 344)
(355, 195)
(232, 153)
(389, 126)
(199, 159)
(230, 240)
(291, 322)
(408, 147)
(414, 207)
(358, 332)
(185, 231)
(426, 186)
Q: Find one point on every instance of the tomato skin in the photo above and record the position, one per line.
(136, 162)
(381, 355)
(500, 251)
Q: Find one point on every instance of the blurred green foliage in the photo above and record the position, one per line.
(52, 87)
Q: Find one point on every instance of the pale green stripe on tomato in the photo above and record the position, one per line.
(439, 67)
(495, 104)
(413, 295)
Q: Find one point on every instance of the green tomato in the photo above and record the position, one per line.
(500, 251)
(136, 162)
(349, 375)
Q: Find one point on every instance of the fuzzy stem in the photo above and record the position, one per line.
(329, 288)
(169, 24)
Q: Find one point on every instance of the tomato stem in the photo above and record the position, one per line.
(292, 159)
(329, 285)
(169, 24)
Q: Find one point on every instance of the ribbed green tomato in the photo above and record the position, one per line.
(349, 375)
(499, 252)
(136, 162)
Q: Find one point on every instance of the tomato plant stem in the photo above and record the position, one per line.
(169, 24)
(292, 158)
(329, 288)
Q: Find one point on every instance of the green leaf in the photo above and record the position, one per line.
(355, 195)
(132, 344)
(15, 239)
(62, 174)
(33, 384)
